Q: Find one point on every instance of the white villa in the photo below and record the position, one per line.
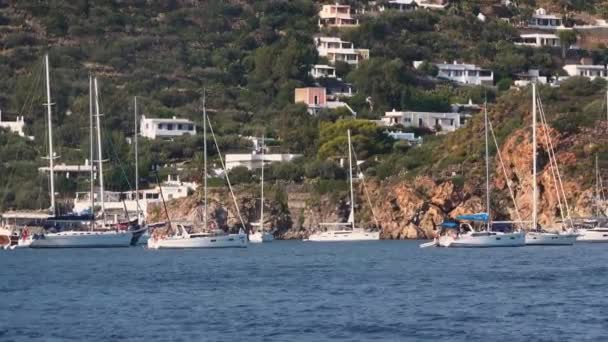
(527, 78)
(543, 20)
(463, 73)
(254, 161)
(399, 5)
(323, 71)
(172, 188)
(446, 122)
(589, 71)
(336, 49)
(166, 128)
(539, 40)
(337, 15)
(13, 126)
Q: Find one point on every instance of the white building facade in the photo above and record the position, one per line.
(439, 122)
(254, 161)
(338, 50)
(589, 71)
(463, 73)
(545, 21)
(323, 71)
(539, 40)
(13, 126)
(166, 128)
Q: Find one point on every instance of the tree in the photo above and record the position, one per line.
(566, 39)
(367, 138)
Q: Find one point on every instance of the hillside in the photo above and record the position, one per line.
(248, 57)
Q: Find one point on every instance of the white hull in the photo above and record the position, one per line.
(344, 235)
(143, 239)
(593, 235)
(84, 239)
(550, 239)
(259, 237)
(479, 240)
(181, 241)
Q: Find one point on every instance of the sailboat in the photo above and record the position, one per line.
(536, 236)
(81, 239)
(180, 237)
(346, 234)
(597, 233)
(260, 235)
(457, 234)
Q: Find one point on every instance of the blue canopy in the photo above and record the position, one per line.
(449, 224)
(474, 217)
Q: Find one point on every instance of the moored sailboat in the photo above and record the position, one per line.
(537, 236)
(348, 232)
(259, 235)
(180, 237)
(102, 237)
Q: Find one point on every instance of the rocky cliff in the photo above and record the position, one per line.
(413, 208)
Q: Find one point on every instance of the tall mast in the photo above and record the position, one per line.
(487, 167)
(350, 177)
(50, 123)
(99, 153)
(262, 196)
(205, 220)
(597, 187)
(92, 147)
(606, 104)
(135, 138)
(534, 209)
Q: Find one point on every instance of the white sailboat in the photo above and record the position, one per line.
(537, 237)
(180, 237)
(598, 233)
(80, 239)
(463, 234)
(346, 234)
(260, 235)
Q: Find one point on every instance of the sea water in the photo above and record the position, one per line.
(306, 291)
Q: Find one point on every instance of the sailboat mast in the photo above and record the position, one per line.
(99, 152)
(92, 148)
(488, 227)
(135, 139)
(597, 187)
(50, 123)
(350, 173)
(205, 219)
(534, 209)
(262, 186)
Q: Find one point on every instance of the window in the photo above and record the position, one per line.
(160, 126)
(179, 127)
(169, 127)
(316, 100)
(191, 127)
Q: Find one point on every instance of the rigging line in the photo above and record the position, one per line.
(552, 153)
(504, 170)
(369, 201)
(34, 85)
(552, 168)
(217, 146)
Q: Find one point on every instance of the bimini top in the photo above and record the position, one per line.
(449, 224)
(474, 217)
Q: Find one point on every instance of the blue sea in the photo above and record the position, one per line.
(305, 291)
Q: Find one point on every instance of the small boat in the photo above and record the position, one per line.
(593, 230)
(458, 234)
(260, 236)
(83, 239)
(542, 238)
(348, 232)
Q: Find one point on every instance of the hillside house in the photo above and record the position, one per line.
(337, 15)
(323, 71)
(254, 161)
(438, 122)
(545, 21)
(13, 126)
(586, 70)
(316, 99)
(539, 40)
(336, 49)
(166, 128)
(463, 73)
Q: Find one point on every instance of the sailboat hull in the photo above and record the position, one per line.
(550, 239)
(344, 235)
(597, 235)
(259, 237)
(493, 239)
(221, 241)
(84, 239)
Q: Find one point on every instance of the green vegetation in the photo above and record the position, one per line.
(248, 56)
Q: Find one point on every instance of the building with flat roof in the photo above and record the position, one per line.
(165, 128)
(337, 50)
(463, 73)
(337, 15)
